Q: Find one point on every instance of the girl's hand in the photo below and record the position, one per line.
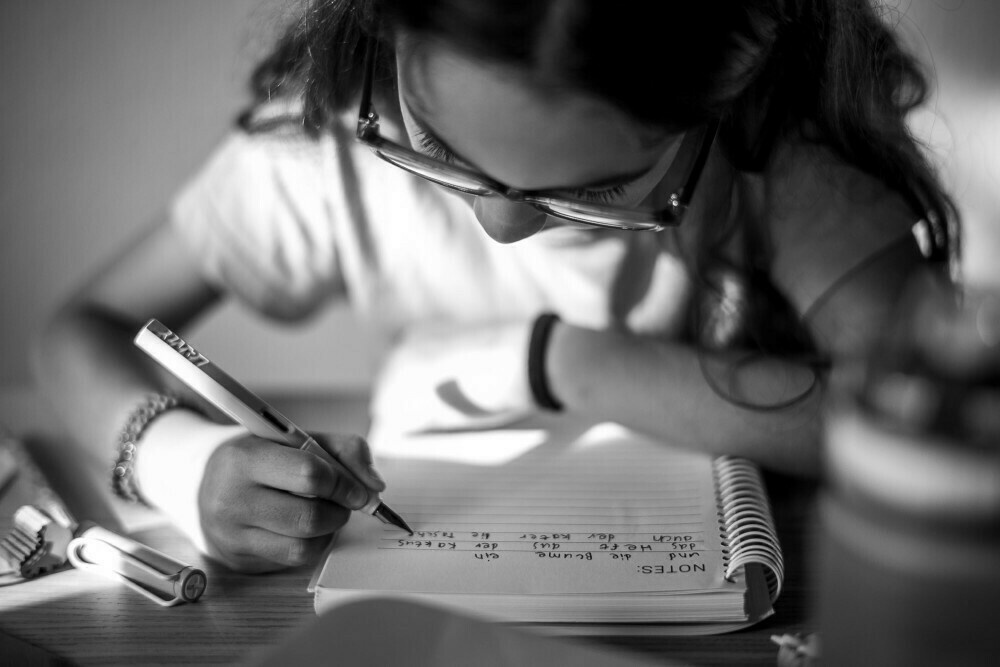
(265, 506)
(449, 377)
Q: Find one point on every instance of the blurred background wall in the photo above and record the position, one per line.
(107, 108)
(958, 41)
(109, 105)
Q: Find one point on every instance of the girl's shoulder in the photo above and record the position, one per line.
(822, 216)
(841, 242)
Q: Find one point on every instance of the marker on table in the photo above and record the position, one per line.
(239, 403)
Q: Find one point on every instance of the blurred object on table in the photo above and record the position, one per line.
(910, 516)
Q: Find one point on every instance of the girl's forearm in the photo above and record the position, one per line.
(86, 366)
(659, 387)
(95, 378)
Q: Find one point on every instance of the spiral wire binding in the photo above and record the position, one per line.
(745, 524)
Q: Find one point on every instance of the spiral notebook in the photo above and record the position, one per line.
(565, 528)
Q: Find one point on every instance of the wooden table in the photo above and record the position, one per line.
(73, 617)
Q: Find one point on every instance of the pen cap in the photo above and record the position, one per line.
(191, 583)
(150, 572)
(155, 559)
(909, 543)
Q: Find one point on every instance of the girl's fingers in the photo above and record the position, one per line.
(354, 453)
(294, 516)
(302, 473)
(264, 550)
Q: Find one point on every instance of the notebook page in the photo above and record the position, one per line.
(564, 512)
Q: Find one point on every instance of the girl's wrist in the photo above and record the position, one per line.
(558, 363)
(582, 366)
(171, 462)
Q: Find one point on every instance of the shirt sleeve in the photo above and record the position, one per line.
(257, 218)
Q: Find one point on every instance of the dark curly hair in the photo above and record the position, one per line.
(832, 69)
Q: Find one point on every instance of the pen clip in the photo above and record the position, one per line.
(109, 560)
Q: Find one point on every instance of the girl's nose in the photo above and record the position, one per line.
(506, 221)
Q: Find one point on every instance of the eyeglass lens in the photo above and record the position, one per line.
(452, 179)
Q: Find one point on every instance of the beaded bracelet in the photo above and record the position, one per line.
(122, 480)
(537, 347)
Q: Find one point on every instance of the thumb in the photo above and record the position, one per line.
(352, 452)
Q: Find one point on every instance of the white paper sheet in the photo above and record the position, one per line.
(559, 523)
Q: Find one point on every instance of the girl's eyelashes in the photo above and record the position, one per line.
(431, 147)
(604, 196)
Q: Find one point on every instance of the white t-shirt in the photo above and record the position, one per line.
(287, 223)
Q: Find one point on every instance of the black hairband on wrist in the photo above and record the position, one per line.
(537, 348)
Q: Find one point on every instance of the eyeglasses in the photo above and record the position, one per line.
(476, 184)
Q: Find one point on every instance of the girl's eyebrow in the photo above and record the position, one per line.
(599, 184)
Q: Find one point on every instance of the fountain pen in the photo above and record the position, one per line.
(240, 404)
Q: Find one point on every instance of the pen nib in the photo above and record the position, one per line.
(386, 515)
